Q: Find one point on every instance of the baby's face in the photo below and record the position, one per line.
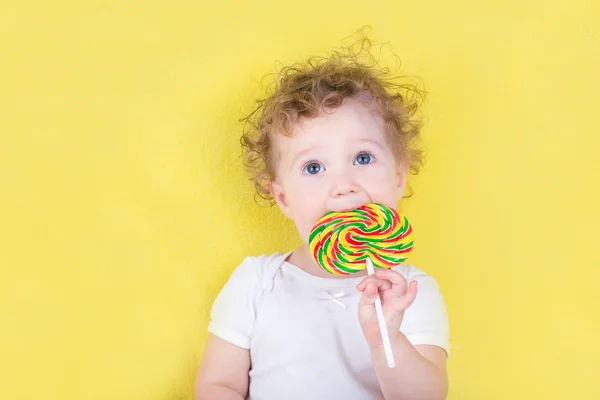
(335, 162)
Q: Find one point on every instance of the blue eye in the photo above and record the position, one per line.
(313, 168)
(363, 158)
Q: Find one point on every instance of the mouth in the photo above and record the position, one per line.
(346, 209)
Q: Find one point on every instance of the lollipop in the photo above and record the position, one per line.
(341, 242)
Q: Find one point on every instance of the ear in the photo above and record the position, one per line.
(279, 196)
(401, 177)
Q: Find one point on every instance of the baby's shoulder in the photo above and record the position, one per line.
(259, 269)
(410, 273)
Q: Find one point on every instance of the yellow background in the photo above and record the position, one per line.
(123, 206)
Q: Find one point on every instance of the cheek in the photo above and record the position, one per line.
(379, 177)
(304, 224)
(303, 200)
(307, 205)
(304, 192)
(382, 186)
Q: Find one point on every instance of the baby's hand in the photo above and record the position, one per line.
(396, 296)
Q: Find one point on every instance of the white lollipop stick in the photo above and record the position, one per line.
(385, 336)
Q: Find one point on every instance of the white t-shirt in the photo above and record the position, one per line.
(303, 333)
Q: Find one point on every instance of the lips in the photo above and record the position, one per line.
(349, 202)
(348, 208)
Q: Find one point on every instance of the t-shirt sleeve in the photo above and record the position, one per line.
(426, 320)
(234, 310)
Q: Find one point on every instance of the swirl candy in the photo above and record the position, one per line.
(341, 242)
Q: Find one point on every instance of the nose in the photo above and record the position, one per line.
(343, 185)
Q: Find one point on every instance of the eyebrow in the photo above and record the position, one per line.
(301, 153)
(372, 141)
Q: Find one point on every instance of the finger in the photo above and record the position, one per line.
(381, 284)
(361, 285)
(369, 295)
(402, 303)
(389, 274)
(412, 288)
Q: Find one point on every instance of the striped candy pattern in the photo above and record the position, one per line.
(340, 242)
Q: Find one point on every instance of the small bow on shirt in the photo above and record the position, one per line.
(334, 297)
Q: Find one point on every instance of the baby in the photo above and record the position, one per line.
(334, 135)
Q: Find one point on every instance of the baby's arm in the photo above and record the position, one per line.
(223, 374)
(420, 371)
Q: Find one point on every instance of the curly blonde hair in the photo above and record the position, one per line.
(302, 90)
